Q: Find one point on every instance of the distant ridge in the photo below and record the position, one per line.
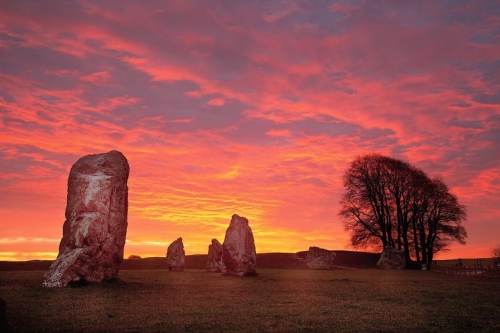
(344, 259)
(31, 265)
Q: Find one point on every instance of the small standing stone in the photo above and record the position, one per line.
(176, 257)
(214, 259)
(318, 258)
(391, 258)
(134, 257)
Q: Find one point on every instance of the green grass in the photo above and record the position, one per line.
(364, 300)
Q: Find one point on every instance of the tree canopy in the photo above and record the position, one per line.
(495, 251)
(388, 202)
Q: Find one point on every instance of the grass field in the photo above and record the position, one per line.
(280, 300)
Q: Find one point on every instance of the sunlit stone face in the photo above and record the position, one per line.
(96, 221)
(238, 251)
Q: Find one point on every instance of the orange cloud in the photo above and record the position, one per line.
(252, 112)
(278, 132)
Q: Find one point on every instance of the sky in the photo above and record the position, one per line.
(247, 107)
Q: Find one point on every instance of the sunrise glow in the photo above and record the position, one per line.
(253, 108)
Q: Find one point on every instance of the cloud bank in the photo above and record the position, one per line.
(249, 108)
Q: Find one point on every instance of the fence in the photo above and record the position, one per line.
(489, 272)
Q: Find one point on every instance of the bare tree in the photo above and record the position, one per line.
(495, 251)
(442, 220)
(388, 202)
(364, 209)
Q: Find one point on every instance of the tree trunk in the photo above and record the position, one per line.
(415, 239)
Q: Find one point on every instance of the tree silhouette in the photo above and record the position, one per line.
(388, 202)
(495, 251)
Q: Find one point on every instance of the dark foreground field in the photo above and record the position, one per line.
(281, 300)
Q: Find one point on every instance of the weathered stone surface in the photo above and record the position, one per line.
(238, 250)
(391, 258)
(318, 258)
(176, 257)
(214, 259)
(94, 232)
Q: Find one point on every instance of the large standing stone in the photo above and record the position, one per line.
(318, 258)
(91, 248)
(391, 258)
(238, 251)
(214, 259)
(176, 257)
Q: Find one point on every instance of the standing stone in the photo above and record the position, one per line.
(134, 257)
(238, 251)
(91, 248)
(391, 258)
(318, 258)
(176, 257)
(214, 259)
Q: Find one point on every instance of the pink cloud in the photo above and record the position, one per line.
(216, 102)
(113, 103)
(96, 78)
